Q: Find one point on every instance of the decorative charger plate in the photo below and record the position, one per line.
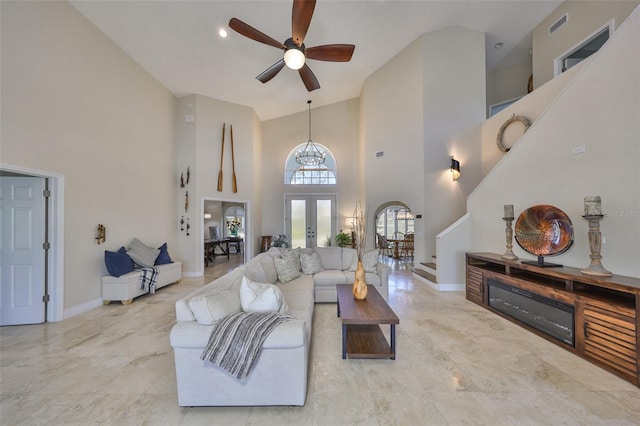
(544, 230)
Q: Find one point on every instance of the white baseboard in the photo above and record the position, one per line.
(188, 274)
(80, 309)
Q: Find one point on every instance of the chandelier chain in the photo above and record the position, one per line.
(310, 155)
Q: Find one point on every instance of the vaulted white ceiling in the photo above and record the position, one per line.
(178, 42)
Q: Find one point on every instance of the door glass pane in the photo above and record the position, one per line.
(323, 223)
(298, 223)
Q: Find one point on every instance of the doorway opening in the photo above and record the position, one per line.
(224, 232)
(395, 230)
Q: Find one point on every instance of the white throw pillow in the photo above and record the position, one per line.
(310, 263)
(287, 268)
(211, 308)
(142, 254)
(261, 297)
(369, 262)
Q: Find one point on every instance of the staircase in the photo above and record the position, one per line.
(427, 273)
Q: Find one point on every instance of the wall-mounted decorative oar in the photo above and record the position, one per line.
(221, 157)
(234, 184)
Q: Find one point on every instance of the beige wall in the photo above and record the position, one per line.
(391, 108)
(507, 82)
(584, 18)
(411, 106)
(334, 126)
(75, 104)
(199, 145)
(598, 109)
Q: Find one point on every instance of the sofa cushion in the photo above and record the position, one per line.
(348, 254)
(269, 269)
(163, 258)
(303, 282)
(261, 269)
(330, 257)
(211, 308)
(369, 277)
(329, 277)
(142, 254)
(118, 263)
(369, 262)
(310, 263)
(287, 268)
(261, 297)
(293, 254)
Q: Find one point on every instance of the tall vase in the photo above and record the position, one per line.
(359, 285)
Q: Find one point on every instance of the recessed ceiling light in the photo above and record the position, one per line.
(498, 45)
(222, 33)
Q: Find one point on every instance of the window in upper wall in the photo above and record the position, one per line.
(297, 174)
(584, 49)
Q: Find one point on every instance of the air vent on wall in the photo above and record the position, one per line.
(559, 23)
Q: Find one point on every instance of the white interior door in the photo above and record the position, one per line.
(22, 256)
(311, 219)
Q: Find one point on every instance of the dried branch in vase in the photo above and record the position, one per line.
(360, 229)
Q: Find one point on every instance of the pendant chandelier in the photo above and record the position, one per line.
(311, 155)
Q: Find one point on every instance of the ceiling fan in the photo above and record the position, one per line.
(295, 52)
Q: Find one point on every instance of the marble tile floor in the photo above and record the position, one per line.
(457, 364)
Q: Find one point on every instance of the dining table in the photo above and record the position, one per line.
(223, 243)
(397, 243)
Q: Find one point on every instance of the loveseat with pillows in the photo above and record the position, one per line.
(279, 281)
(138, 270)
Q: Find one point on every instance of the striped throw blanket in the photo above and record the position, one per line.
(148, 279)
(236, 341)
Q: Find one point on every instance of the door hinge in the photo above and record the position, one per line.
(46, 246)
(46, 193)
(45, 298)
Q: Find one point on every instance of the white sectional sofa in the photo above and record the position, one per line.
(279, 377)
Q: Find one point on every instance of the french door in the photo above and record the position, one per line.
(310, 219)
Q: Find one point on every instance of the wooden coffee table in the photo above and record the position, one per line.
(361, 319)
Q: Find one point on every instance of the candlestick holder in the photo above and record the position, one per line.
(595, 241)
(508, 254)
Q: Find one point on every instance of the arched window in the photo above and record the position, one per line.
(296, 174)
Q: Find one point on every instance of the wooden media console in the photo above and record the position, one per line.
(596, 318)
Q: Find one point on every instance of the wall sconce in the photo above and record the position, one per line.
(207, 216)
(455, 168)
(102, 234)
(348, 221)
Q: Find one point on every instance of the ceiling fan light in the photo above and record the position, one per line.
(294, 58)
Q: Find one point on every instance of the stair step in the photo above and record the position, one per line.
(429, 265)
(426, 275)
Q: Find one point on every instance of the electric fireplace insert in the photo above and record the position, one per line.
(549, 316)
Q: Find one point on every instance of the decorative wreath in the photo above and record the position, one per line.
(524, 120)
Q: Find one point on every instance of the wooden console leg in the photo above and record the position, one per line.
(106, 302)
(127, 302)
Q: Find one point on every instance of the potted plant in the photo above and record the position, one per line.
(343, 240)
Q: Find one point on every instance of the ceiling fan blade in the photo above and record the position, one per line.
(300, 19)
(331, 52)
(248, 31)
(271, 72)
(308, 78)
